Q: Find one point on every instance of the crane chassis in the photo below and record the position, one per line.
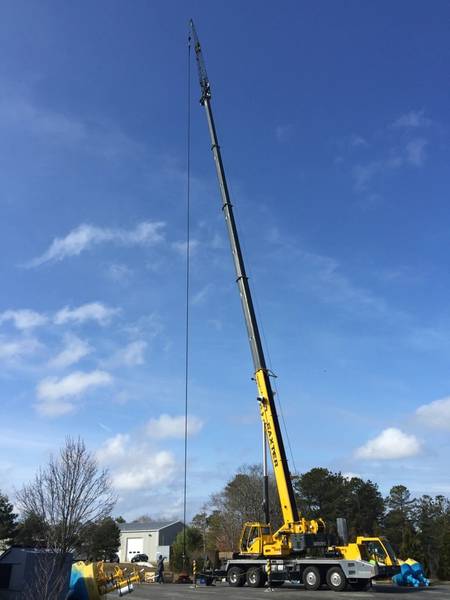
(312, 572)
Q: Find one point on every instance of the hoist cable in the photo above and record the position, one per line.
(277, 395)
(188, 236)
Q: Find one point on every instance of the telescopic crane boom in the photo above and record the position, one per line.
(278, 543)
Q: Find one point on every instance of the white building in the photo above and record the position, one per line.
(150, 538)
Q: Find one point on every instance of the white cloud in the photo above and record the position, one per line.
(358, 141)
(119, 273)
(350, 475)
(52, 388)
(147, 472)
(412, 119)
(363, 175)
(413, 154)
(23, 318)
(55, 409)
(114, 448)
(436, 414)
(135, 465)
(86, 236)
(173, 427)
(201, 296)
(12, 349)
(75, 349)
(93, 311)
(181, 247)
(391, 444)
(54, 394)
(415, 151)
(133, 354)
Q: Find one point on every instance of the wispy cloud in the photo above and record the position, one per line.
(133, 354)
(201, 296)
(119, 273)
(363, 174)
(332, 285)
(181, 247)
(390, 444)
(167, 426)
(65, 130)
(13, 349)
(412, 119)
(86, 236)
(56, 396)
(24, 318)
(283, 133)
(400, 149)
(75, 349)
(93, 311)
(415, 151)
(357, 141)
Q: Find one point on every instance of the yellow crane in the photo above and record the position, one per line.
(296, 533)
(298, 539)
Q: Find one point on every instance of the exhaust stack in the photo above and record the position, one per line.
(342, 530)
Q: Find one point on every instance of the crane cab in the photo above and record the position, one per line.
(254, 537)
(258, 540)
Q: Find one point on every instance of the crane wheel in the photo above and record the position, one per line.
(336, 579)
(256, 577)
(235, 577)
(311, 578)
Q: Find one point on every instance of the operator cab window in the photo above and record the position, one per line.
(375, 551)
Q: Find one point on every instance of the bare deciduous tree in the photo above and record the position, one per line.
(68, 493)
(49, 578)
(241, 500)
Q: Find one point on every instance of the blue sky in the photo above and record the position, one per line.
(334, 125)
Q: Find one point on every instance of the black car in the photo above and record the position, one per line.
(140, 558)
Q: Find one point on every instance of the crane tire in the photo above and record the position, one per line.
(255, 577)
(336, 579)
(235, 577)
(311, 578)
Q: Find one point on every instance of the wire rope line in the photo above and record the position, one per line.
(188, 236)
(277, 396)
(243, 242)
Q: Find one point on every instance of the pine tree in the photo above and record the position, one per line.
(7, 521)
(398, 521)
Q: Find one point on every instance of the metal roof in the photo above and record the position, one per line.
(147, 526)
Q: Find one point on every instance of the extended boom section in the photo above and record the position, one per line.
(292, 522)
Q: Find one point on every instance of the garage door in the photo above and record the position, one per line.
(134, 546)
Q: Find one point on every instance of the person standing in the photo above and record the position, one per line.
(160, 569)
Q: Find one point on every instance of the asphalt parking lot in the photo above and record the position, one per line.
(223, 591)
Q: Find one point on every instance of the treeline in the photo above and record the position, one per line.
(416, 527)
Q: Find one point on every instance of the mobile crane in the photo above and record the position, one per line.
(288, 548)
